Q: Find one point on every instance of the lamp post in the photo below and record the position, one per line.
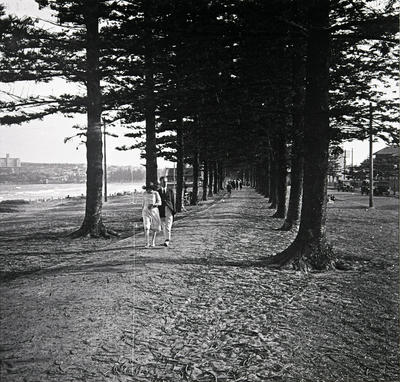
(371, 161)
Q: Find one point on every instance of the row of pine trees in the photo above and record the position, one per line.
(223, 85)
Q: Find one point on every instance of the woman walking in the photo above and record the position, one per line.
(150, 214)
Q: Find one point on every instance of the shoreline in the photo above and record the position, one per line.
(42, 200)
(60, 191)
(15, 206)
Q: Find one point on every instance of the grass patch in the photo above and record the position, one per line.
(14, 202)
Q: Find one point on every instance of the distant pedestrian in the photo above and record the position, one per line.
(237, 184)
(167, 210)
(186, 195)
(240, 184)
(229, 189)
(150, 213)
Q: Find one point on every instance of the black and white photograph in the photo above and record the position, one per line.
(199, 191)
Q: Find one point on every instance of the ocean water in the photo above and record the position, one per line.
(58, 191)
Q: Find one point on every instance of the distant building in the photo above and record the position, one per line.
(170, 176)
(386, 166)
(10, 162)
(10, 165)
(345, 164)
(388, 152)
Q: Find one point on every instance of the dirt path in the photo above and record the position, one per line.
(185, 313)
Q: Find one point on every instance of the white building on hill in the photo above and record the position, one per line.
(10, 164)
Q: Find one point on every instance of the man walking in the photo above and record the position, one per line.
(229, 189)
(167, 209)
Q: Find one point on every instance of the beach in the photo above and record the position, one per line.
(59, 191)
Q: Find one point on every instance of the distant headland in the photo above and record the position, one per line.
(13, 171)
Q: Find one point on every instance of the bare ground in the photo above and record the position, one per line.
(201, 310)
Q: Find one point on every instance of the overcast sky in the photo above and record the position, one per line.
(43, 140)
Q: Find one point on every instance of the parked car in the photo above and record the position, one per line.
(345, 185)
(381, 188)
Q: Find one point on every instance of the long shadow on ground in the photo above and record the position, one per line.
(127, 266)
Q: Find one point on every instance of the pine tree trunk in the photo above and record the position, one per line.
(252, 178)
(281, 176)
(205, 180)
(297, 154)
(92, 224)
(180, 155)
(150, 107)
(310, 247)
(194, 199)
(267, 177)
(215, 180)
(220, 176)
(210, 178)
(247, 175)
(258, 176)
(296, 183)
(273, 189)
(263, 180)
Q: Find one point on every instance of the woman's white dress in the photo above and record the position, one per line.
(151, 216)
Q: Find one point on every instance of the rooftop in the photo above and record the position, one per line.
(389, 150)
